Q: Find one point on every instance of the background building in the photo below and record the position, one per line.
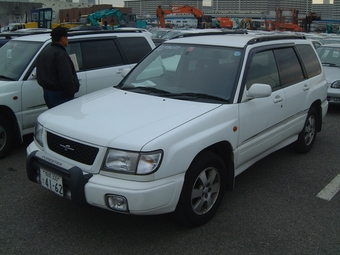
(242, 8)
(19, 10)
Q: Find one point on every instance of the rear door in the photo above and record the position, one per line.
(103, 63)
(297, 67)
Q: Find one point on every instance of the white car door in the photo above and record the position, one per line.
(296, 88)
(103, 63)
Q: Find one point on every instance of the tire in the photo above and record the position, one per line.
(6, 136)
(203, 190)
(308, 134)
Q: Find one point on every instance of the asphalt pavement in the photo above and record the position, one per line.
(274, 209)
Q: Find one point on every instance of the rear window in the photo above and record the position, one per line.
(100, 54)
(310, 60)
(135, 48)
(289, 66)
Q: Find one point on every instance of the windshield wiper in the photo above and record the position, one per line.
(147, 89)
(2, 77)
(330, 64)
(196, 96)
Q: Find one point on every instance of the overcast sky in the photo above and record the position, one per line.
(120, 3)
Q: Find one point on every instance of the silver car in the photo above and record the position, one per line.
(330, 58)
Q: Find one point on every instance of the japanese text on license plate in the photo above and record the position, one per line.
(51, 181)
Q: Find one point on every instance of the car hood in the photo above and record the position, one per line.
(120, 119)
(332, 73)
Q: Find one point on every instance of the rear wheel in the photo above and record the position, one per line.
(203, 190)
(307, 136)
(6, 136)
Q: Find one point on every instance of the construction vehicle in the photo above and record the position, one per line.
(42, 18)
(308, 20)
(281, 23)
(247, 23)
(202, 21)
(224, 22)
(95, 19)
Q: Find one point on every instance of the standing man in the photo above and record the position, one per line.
(55, 70)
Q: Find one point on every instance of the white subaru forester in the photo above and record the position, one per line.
(172, 136)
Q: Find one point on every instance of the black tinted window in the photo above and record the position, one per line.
(99, 54)
(135, 48)
(310, 60)
(289, 66)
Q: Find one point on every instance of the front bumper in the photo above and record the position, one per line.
(143, 197)
(333, 95)
(74, 180)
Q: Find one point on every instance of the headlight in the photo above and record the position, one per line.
(38, 133)
(132, 162)
(336, 85)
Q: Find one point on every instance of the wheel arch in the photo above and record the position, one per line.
(9, 114)
(224, 150)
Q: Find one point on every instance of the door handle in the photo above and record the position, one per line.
(305, 87)
(277, 99)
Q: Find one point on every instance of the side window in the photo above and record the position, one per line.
(263, 69)
(100, 54)
(74, 50)
(135, 48)
(289, 66)
(309, 59)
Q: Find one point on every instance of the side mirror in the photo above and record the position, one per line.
(125, 71)
(33, 75)
(259, 90)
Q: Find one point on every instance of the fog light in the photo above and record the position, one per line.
(118, 203)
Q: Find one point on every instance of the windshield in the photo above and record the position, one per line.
(187, 72)
(329, 55)
(14, 58)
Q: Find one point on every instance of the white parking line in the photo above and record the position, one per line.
(331, 189)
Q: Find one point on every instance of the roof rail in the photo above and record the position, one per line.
(273, 38)
(90, 32)
(218, 32)
(11, 35)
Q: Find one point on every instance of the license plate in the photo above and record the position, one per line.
(52, 182)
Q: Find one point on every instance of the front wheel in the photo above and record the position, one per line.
(203, 190)
(6, 136)
(307, 136)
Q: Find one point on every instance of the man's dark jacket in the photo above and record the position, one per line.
(55, 70)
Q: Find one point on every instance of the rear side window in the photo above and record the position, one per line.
(135, 48)
(289, 66)
(310, 60)
(101, 54)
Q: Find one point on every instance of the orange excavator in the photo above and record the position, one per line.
(178, 9)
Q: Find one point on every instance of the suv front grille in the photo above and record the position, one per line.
(73, 150)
